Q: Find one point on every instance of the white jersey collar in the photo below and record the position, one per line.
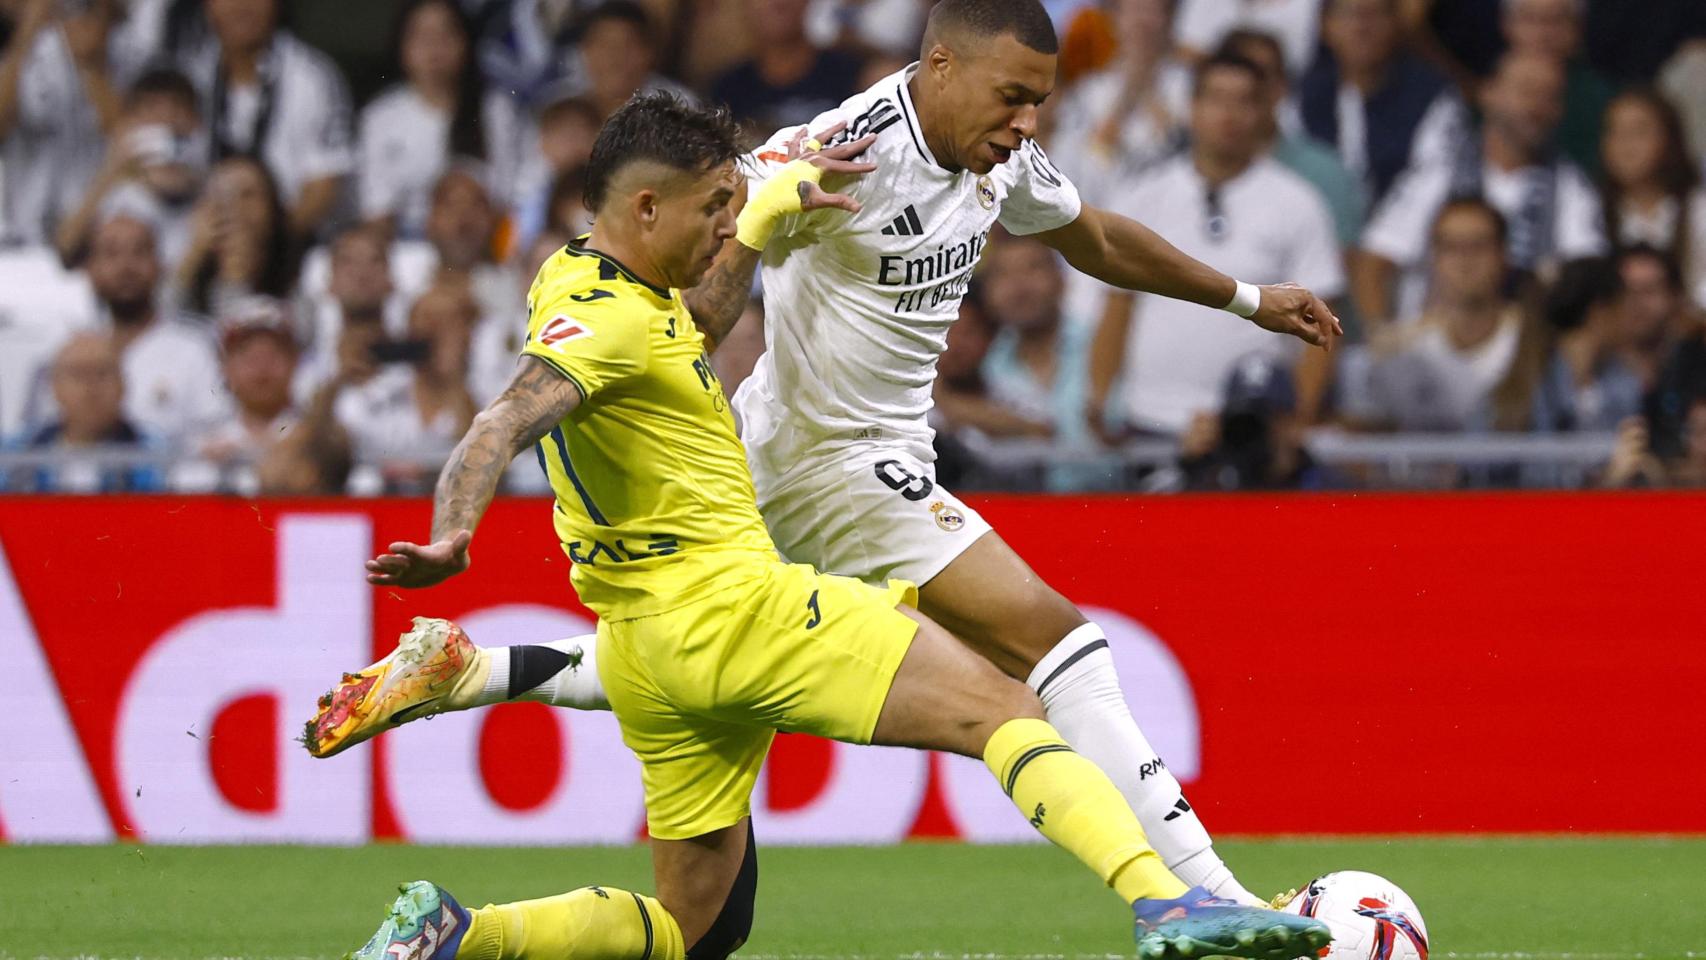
(910, 112)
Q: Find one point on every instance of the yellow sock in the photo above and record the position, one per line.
(1072, 802)
(592, 923)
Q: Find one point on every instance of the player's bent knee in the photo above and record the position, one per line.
(734, 921)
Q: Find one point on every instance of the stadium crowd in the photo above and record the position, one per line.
(284, 245)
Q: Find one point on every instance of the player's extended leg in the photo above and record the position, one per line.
(706, 888)
(990, 597)
(437, 669)
(945, 697)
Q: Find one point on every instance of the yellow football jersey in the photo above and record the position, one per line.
(655, 504)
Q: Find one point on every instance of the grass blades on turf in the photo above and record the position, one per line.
(1489, 899)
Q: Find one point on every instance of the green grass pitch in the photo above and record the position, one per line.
(1522, 899)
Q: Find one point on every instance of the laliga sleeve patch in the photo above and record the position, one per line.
(560, 330)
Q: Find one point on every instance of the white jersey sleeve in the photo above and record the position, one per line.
(1041, 198)
(772, 155)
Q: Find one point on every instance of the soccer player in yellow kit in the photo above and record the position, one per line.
(707, 642)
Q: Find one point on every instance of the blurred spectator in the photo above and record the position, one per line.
(1551, 207)
(789, 80)
(1553, 29)
(88, 389)
(567, 212)
(892, 28)
(1292, 146)
(1651, 186)
(359, 294)
(964, 396)
(1606, 357)
(272, 97)
(1682, 380)
(258, 361)
(307, 463)
(416, 404)
(1202, 25)
(1227, 203)
(617, 41)
(460, 227)
(240, 240)
(567, 128)
(57, 78)
(410, 133)
(155, 165)
(1472, 360)
(1129, 115)
(1255, 443)
(1037, 363)
(171, 371)
(1384, 109)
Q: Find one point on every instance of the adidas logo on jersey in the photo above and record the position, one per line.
(905, 225)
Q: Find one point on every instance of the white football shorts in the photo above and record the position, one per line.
(871, 511)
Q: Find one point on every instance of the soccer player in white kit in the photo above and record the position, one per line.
(857, 307)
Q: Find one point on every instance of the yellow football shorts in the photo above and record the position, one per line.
(700, 691)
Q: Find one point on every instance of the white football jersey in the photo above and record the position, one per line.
(857, 307)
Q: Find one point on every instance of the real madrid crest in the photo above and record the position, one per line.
(947, 517)
(986, 192)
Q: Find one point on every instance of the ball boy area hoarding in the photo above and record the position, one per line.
(1445, 664)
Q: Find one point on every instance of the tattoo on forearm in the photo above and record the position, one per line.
(535, 401)
(719, 299)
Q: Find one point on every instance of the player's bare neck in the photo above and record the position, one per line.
(924, 101)
(626, 251)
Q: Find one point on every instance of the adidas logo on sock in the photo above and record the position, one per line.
(905, 225)
(1179, 809)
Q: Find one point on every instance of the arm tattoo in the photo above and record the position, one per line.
(536, 400)
(717, 302)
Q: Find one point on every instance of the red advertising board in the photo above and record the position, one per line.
(1456, 663)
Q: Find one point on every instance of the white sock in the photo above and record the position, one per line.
(575, 686)
(1081, 692)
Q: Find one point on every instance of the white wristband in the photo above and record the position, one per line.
(1246, 300)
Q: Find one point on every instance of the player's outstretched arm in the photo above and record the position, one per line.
(717, 302)
(1122, 252)
(536, 400)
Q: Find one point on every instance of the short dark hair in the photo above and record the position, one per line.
(1501, 226)
(1665, 259)
(662, 128)
(1026, 20)
(164, 82)
(1224, 59)
(616, 11)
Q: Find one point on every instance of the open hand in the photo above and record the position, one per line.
(1288, 308)
(838, 160)
(411, 565)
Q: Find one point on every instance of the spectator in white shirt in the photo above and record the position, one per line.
(273, 97)
(156, 163)
(1651, 187)
(258, 363)
(1228, 203)
(1202, 24)
(171, 370)
(415, 408)
(410, 133)
(460, 227)
(57, 102)
(1472, 360)
(1130, 114)
(359, 293)
(1552, 210)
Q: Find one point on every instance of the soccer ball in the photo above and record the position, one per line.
(1370, 917)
